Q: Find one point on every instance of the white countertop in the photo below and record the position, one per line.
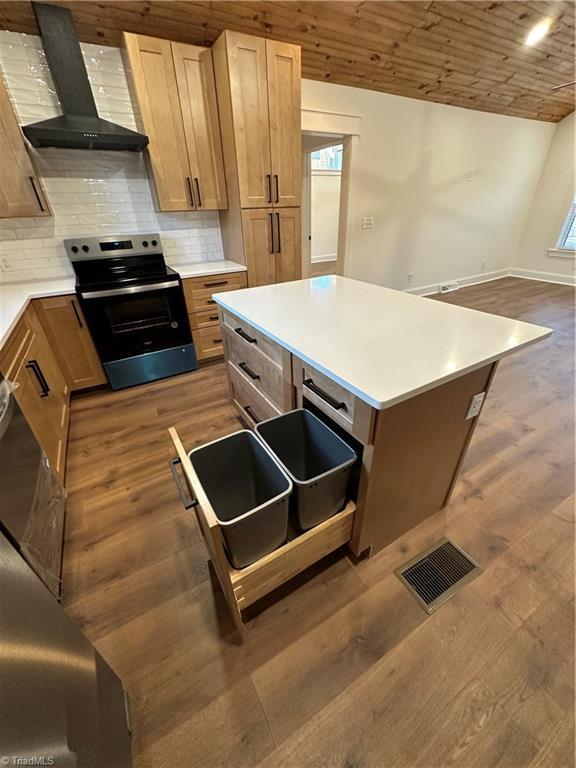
(15, 296)
(383, 345)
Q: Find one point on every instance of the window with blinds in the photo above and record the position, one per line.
(567, 239)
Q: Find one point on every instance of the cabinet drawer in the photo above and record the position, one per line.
(203, 319)
(264, 374)
(343, 407)
(243, 587)
(250, 402)
(208, 342)
(198, 290)
(252, 338)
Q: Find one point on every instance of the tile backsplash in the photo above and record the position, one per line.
(90, 192)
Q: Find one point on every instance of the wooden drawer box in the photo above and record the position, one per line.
(198, 290)
(208, 341)
(244, 587)
(251, 403)
(254, 338)
(342, 406)
(204, 319)
(264, 374)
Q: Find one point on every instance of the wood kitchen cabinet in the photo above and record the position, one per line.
(21, 193)
(272, 245)
(173, 85)
(28, 363)
(258, 87)
(65, 328)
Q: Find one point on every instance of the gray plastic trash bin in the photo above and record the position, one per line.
(249, 493)
(315, 458)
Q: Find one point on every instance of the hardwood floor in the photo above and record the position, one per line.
(341, 667)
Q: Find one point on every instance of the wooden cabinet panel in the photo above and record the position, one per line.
(64, 325)
(288, 242)
(41, 391)
(258, 229)
(153, 80)
(198, 291)
(21, 193)
(208, 342)
(197, 93)
(283, 67)
(248, 94)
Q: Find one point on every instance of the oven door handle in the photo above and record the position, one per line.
(126, 291)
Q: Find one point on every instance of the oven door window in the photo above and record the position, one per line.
(132, 324)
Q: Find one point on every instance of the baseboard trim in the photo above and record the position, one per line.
(483, 277)
(488, 277)
(545, 277)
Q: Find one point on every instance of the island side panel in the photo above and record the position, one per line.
(410, 470)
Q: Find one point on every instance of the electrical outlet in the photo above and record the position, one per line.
(368, 222)
(475, 405)
(410, 277)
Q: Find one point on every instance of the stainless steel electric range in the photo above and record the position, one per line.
(134, 306)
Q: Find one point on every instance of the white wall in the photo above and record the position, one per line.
(410, 169)
(91, 192)
(325, 210)
(554, 194)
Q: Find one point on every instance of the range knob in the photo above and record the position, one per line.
(74, 249)
(154, 242)
(85, 248)
(145, 243)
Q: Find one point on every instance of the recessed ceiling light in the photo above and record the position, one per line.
(538, 32)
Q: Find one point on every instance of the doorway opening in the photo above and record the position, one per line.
(325, 159)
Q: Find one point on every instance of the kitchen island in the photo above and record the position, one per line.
(405, 377)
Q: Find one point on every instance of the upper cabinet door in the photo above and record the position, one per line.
(197, 92)
(284, 106)
(21, 193)
(154, 84)
(249, 104)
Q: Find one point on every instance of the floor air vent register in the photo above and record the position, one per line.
(437, 573)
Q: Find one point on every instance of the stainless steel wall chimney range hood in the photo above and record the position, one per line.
(79, 127)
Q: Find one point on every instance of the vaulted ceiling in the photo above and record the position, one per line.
(469, 54)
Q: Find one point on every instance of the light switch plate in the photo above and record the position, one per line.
(475, 405)
(368, 222)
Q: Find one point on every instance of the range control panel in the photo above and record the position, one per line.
(112, 246)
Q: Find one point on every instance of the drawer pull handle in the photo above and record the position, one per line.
(249, 371)
(185, 498)
(213, 317)
(269, 180)
(198, 192)
(277, 188)
(37, 371)
(249, 339)
(248, 410)
(338, 406)
(214, 283)
(210, 301)
(216, 341)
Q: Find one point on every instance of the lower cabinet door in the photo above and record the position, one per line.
(258, 227)
(288, 244)
(65, 327)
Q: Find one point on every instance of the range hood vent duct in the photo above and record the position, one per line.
(79, 127)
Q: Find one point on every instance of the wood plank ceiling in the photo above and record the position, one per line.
(468, 54)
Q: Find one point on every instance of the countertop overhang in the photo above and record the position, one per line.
(383, 345)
